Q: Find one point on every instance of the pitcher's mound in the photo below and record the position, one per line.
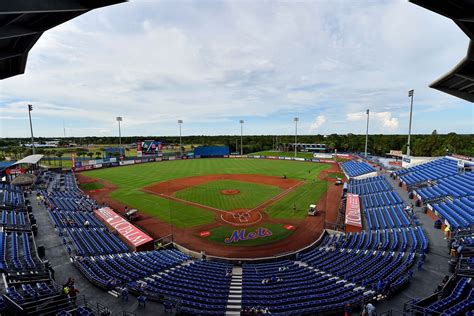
(230, 192)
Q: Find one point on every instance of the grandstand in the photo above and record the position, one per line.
(50, 232)
(339, 270)
(357, 169)
(382, 252)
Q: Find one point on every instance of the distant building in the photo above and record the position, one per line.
(306, 147)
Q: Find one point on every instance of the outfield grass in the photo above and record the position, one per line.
(130, 179)
(300, 198)
(250, 196)
(219, 234)
(89, 186)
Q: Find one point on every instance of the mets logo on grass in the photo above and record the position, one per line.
(242, 234)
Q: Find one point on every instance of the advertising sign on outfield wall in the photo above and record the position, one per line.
(130, 234)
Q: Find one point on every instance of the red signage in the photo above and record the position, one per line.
(127, 232)
(353, 217)
(15, 171)
(205, 234)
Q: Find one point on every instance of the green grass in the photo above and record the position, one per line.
(283, 154)
(89, 186)
(65, 163)
(251, 194)
(130, 179)
(335, 175)
(301, 198)
(219, 234)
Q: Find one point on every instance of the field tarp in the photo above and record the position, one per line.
(128, 233)
(353, 217)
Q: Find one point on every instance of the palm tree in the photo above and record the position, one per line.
(98, 154)
(90, 154)
(53, 152)
(59, 154)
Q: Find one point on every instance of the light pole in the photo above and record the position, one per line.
(30, 108)
(241, 133)
(180, 144)
(296, 132)
(410, 95)
(367, 132)
(120, 119)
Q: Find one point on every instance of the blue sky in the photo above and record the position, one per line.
(211, 63)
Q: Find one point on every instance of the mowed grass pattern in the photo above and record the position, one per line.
(300, 198)
(250, 196)
(130, 179)
(91, 186)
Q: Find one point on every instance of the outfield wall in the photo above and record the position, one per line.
(112, 162)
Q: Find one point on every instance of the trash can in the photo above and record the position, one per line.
(400, 184)
(411, 195)
(418, 203)
(425, 209)
(452, 266)
(437, 224)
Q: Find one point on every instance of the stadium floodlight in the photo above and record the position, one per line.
(30, 108)
(410, 95)
(367, 132)
(241, 137)
(120, 119)
(296, 119)
(180, 143)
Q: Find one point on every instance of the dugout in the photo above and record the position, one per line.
(211, 151)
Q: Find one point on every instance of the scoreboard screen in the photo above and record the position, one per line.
(149, 148)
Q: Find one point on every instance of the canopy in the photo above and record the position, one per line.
(31, 159)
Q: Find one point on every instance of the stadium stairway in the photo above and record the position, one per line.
(436, 265)
(234, 303)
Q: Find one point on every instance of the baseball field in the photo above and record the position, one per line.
(232, 202)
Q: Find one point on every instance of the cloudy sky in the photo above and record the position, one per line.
(212, 63)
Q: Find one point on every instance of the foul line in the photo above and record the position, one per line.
(269, 201)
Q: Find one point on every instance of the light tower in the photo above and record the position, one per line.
(119, 119)
(296, 119)
(180, 143)
(367, 132)
(30, 108)
(241, 137)
(410, 95)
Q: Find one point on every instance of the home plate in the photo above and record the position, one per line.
(205, 234)
(289, 227)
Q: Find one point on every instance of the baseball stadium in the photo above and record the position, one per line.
(328, 221)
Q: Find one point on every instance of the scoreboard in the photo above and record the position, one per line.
(149, 148)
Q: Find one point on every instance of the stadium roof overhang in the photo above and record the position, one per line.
(31, 160)
(22, 22)
(460, 80)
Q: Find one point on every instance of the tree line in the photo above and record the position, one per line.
(433, 144)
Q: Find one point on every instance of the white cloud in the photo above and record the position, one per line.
(155, 62)
(376, 120)
(318, 122)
